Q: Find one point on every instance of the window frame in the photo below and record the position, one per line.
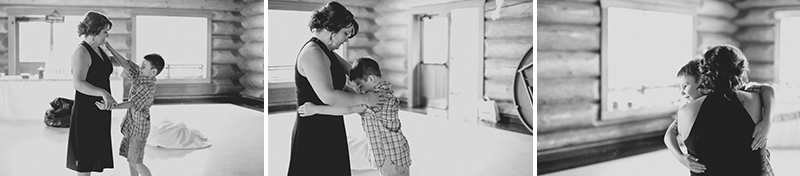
(642, 113)
(176, 13)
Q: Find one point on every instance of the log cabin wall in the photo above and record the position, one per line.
(253, 50)
(226, 28)
(757, 27)
(507, 40)
(569, 43)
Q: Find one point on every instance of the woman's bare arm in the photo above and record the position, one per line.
(315, 66)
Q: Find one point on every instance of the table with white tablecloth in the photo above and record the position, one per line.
(28, 99)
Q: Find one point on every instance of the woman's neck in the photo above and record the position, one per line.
(90, 42)
(322, 36)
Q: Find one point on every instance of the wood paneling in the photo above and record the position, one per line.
(253, 80)
(155, 4)
(567, 38)
(509, 28)
(392, 32)
(252, 65)
(566, 116)
(567, 90)
(389, 48)
(587, 135)
(553, 12)
(224, 57)
(567, 64)
(715, 25)
(252, 49)
(759, 52)
(508, 47)
(256, 21)
(756, 34)
(720, 9)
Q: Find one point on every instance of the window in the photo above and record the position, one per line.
(186, 52)
(285, 41)
(643, 51)
(43, 44)
(787, 59)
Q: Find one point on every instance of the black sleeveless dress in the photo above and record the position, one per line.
(319, 142)
(89, 148)
(721, 137)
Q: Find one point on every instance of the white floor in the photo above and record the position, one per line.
(237, 134)
(438, 147)
(784, 162)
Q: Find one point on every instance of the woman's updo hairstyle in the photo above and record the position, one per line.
(333, 17)
(93, 23)
(723, 68)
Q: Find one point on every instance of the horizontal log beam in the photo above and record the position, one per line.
(225, 81)
(362, 41)
(519, 27)
(390, 48)
(255, 93)
(757, 17)
(252, 49)
(253, 34)
(501, 90)
(762, 71)
(515, 47)
(252, 65)
(707, 40)
(756, 34)
(501, 68)
(718, 9)
(400, 5)
(278, 96)
(507, 108)
(553, 12)
(516, 9)
(355, 53)
(254, 8)
(562, 117)
(567, 38)
(225, 28)
(256, 21)
(714, 25)
(119, 41)
(569, 90)
(366, 25)
(396, 78)
(392, 32)
(397, 64)
(759, 52)
(226, 16)
(582, 136)
(393, 18)
(348, 3)
(252, 80)
(3, 41)
(224, 42)
(225, 71)
(567, 64)
(224, 57)
(751, 4)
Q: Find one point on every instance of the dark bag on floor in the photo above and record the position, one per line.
(60, 113)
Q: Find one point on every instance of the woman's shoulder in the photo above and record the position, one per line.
(749, 96)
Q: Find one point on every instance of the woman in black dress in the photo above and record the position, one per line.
(319, 142)
(89, 148)
(720, 125)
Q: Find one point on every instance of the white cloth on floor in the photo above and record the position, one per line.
(169, 134)
(784, 131)
(358, 144)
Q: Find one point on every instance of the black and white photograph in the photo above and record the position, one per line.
(400, 87)
(132, 87)
(684, 87)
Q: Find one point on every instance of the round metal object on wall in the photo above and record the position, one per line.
(523, 90)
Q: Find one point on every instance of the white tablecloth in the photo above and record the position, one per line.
(28, 99)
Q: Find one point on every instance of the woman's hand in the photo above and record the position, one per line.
(102, 106)
(692, 163)
(108, 100)
(760, 135)
(373, 99)
(307, 109)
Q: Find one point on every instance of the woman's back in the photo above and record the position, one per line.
(722, 133)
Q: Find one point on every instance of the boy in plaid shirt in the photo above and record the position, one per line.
(389, 146)
(691, 89)
(136, 126)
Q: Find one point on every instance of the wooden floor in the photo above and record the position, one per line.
(438, 146)
(236, 134)
(784, 162)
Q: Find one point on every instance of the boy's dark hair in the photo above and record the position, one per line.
(93, 23)
(364, 67)
(691, 69)
(156, 61)
(333, 17)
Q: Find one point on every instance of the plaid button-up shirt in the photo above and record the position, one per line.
(142, 93)
(383, 129)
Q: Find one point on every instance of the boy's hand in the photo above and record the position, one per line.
(692, 163)
(760, 135)
(307, 109)
(102, 105)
